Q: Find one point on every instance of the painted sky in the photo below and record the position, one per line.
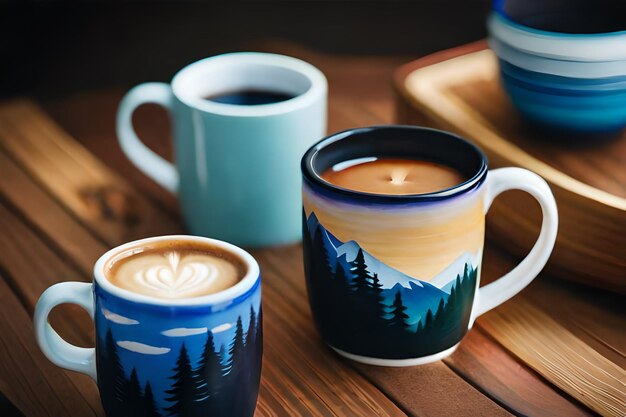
(419, 240)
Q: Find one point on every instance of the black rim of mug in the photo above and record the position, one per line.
(427, 143)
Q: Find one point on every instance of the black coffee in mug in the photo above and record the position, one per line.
(250, 97)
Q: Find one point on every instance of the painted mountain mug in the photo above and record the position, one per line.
(241, 122)
(156, 356)
(393, 280)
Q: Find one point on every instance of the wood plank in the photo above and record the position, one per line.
(32, 383)
(89, 118)
(432, 390)
(560, 356)
(17, 187)
(30, 267)
(75, 177)
(484, 363)
(594, 316)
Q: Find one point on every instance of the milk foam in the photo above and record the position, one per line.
(174, 274)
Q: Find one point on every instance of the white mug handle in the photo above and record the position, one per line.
(56, 349)
(498, 181)
(151, 164)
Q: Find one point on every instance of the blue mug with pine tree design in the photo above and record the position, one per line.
(194, 356)
(393, 279)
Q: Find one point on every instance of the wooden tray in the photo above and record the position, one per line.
(458, 90)
(68, 193)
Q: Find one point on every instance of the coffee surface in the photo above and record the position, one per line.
(250, 97)
(175, 269)
(393, 176)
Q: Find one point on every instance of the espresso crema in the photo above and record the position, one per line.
(175, 269)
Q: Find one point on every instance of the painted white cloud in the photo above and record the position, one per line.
(142, 348)
(221, 328)
(184, 331)
(116, 318)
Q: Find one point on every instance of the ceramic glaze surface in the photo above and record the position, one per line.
(571, 104)
(402, 279)
(154, 357)
(393, 279)
(196, 360)
(236, 166)
(569, 83)
(394, 276)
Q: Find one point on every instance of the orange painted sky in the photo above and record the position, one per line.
(420, 241)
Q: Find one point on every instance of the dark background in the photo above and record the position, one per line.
(52, 48)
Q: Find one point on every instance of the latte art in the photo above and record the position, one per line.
(175, 273)
(175, 278)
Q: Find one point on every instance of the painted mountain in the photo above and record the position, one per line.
(360, 302)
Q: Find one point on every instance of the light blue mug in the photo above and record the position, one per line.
(236, 169)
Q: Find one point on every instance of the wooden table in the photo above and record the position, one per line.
(67, 194)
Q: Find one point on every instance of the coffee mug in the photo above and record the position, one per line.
(156, 357)
(236, 165)
(393, 280)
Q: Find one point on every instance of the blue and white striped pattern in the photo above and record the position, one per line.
(569, 82)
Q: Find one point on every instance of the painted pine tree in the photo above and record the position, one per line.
(182, 393)
(112, 378)
(251, 333)
(251, 374)
(133, 401)
(398, 318)
(235, 350)
(320, 279)
(367, 300)
(208, 379)
(375, 296)
(470, 277)
(149, 405)
(258, 347)
(233, 371)
(362, 278)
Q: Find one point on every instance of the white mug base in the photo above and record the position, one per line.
(397, 362)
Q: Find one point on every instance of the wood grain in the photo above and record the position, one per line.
(29, 267)
(594, 318)
(481, 361)
(459, 91)
(67, 235)
(432, 390)
(33, 384)
(560, 356)
(75, 177)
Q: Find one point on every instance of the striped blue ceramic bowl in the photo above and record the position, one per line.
(570, 82)
(567, 104)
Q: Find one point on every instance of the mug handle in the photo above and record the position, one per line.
(57, 350)
(151, 164)
(505, 287)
